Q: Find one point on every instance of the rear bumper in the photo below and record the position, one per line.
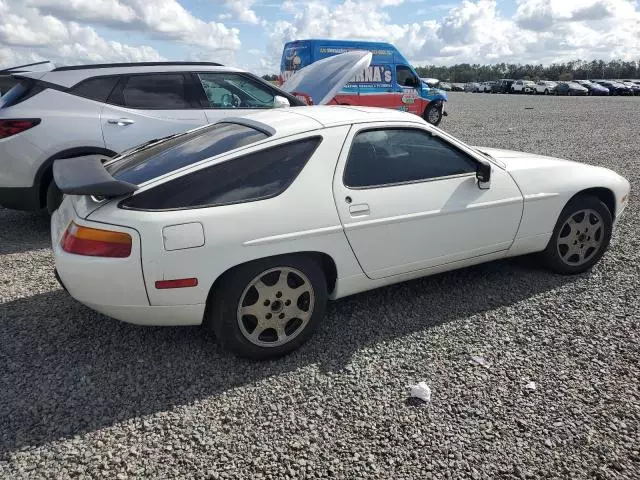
(20, 198)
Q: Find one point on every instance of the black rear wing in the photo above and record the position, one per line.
(87, 176)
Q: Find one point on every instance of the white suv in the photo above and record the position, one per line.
(107, 109)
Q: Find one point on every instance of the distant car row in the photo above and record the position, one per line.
(547, 87)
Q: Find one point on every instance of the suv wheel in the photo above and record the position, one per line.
(54, 197)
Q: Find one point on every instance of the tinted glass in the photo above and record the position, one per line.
(256, 176)
(181, 151)
(229, 90)
(21, 91)
(405, 76)
(161, 91)
(96, 88)
(383, 157)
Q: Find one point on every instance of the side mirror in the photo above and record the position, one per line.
(280, 102)
(483, 174)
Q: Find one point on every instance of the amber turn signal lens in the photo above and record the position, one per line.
(94, 242)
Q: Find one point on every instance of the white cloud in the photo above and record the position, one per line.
(26, 36)
(473, 31)
(242, 10)
(165, 19)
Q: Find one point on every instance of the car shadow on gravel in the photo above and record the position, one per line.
(23, 231)
(66, 370)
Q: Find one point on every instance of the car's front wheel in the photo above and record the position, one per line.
(580, 237)
(270, 307)
(433, 114)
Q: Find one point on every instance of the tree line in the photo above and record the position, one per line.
(573, 70)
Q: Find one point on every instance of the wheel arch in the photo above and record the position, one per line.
(605, 195)
(44, 175)
(326, 262)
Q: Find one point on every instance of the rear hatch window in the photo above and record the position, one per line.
(25, 88)
(182, 150)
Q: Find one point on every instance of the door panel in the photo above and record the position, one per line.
(145, 107)
(400, 228)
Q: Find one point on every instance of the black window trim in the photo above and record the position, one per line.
(116, 98)
(408, 182)
(205, 164)
(203, 100)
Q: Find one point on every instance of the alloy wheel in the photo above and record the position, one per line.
(275, 307)
(581, 237)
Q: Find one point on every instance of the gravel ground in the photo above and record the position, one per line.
(85, 396)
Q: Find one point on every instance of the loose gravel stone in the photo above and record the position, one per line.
(85, 396)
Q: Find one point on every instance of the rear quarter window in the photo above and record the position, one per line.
(21, 91)
(184, 150)
(256, 176)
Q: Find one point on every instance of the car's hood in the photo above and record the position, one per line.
(322, 80)
(513, 160)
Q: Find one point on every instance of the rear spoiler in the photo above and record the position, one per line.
(87, 176)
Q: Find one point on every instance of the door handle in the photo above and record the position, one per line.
(121, 121)
(359, 210)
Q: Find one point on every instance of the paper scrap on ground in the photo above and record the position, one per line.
(530, 386)
(421, 391)
(479, 360)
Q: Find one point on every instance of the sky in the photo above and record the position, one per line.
(250, 33)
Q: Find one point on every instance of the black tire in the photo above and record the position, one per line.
(546, 91)
(54, 197)
(433, 111)
(551, 255)
(222, 314)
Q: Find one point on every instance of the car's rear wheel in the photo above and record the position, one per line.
(546, 91)
(580, 237)
(268, 308)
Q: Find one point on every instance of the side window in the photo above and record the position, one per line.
(230, 90)
(393, 156)
(256, 176)
(405, 76)
(98, 88)
(164, 91)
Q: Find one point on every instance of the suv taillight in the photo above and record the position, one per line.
(11, 127)
(95, 243)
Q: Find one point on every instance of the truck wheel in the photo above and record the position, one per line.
(433, 115)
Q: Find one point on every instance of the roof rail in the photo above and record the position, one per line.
(17, 69)
(133, 64)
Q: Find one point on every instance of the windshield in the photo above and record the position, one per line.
(178, 152)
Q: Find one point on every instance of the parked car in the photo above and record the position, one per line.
(523, 86)
(502, 86)
(635, 88)
(545, 87)
(614, 88)
(593, 88)
(486, 86)
(389, 81)
(570, 88)
(446, 86)
(457, 87)
(107, 109)
(473, 87)
(333, 200)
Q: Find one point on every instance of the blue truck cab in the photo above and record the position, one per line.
(390, 81)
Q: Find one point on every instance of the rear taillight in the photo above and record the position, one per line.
(11, 127)
(95, 243)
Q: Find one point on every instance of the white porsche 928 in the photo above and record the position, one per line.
(250, 225)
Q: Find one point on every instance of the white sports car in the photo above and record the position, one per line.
(251, 224)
